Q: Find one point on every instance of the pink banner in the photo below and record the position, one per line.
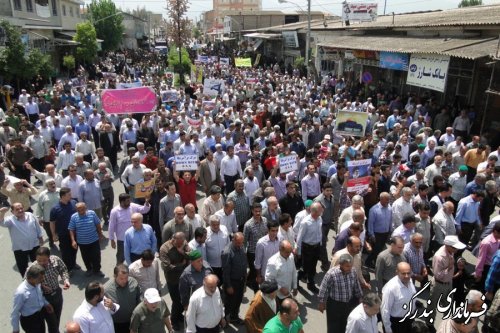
(132, 100)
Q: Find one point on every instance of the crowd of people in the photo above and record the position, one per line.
(237, 221)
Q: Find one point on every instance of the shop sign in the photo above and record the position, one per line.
(428, 71)
(394, 60)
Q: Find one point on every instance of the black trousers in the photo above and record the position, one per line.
(91, 255)
(53, 319)
(252, 273)
(88, 158)
(22, 173)
(176, 311)
(95, 136)
(403, 327)
(38, 164)
(23, 258)
(337, 313)
(233, 302)
(325, 229)
(68, 253)
(380, 240)
(107, 203)
(310, 257)
(229, 182)
(467, 230)
(471, 173)
(46, 227)
(122, 327)
(33, 323)
(218, 272)
(215, 329)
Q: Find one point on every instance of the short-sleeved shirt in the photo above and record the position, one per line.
(187, 192)
(145, 321)
(61, 215)
(274, 325)
(85, 227)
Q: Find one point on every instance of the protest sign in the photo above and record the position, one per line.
(359, 176)
(208, 105)
(169, 96)
(351, 123)
(213, 87)
(133, 100)
(288, 163)
(144, 189)
(243, 62)
(224, 61)
(186, 162)
(127, 85)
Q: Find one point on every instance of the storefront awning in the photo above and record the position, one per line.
(469, 48)
(263, 36)
(62, 42)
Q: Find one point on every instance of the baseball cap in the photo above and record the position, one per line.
(463, 168)
(152, 295)
(308, 203)
(454, 242)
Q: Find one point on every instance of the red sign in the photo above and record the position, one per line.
(133, 100)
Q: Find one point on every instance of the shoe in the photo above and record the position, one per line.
(77, 267)
(99, 274)
(88, 273)
(325, 268)
(312, 288)
(237, 321)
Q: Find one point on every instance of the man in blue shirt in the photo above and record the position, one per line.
(138, 238)
(29, 303)
(379, 226)
(60, 216)
(85, 232)
(467, 217)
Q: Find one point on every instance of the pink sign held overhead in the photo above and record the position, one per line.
(132, 100)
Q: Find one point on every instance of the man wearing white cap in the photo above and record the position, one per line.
(152, 315)
(443, 266)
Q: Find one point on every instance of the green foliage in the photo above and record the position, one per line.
(87, 37)
(173, 60)
(69, 62)
(178, 27)
(108, 23)
(470, 3)
(18, 63)
(197, 33)
(299, 62)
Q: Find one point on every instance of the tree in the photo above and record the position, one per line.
(173, 60)
(470, 3)
(108, 23)
(178, 27)
(87, 37)
(69, 62)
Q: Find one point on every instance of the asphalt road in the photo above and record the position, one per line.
(313, 320)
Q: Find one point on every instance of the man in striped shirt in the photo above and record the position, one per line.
(85, 232)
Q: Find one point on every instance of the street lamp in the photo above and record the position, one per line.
(308, 34)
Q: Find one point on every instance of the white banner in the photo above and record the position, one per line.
(127, 85)
(290, 39)
(213, 87)
(186, 162)
(288, 163)
(428, 71)
(359, 11)
(224, 61)
(42, 8)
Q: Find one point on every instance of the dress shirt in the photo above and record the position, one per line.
(38, 146)
(458, 184)
(137, 241)
(288, 235)
(215, 245)
(24, 235)
(46, 200)
(73, 184)
(188, 149)
(279, 186)
(430, 172)
(467, 212)
(250, 186)
(234, 264)
(194, 245)
(310, 186)
(395, 294)
(31, 108)
(440, 265)
(167, 206)
(492, 281)
(90, 192)
(309, 232)
(28, 300)
(67, 137)
(359, 322)
(264, 250)
(401, 208)
(380, 219)
(120, 219)
(196, 221)
(132, 174)
(487, 250)
(444, 225)
(95, 318)
(403, 232)
(253, 231)
(147, 277)
(356, 263)
(241, 206)
(65, 159)
(424, 227)
(229, 221)
(386, 266)
(85, 147)
(283, 271)
(230, 166)
(298, 220)
(339, 286)
(204, 311)
(414, 257)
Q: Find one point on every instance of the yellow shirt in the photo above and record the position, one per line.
(472, 158)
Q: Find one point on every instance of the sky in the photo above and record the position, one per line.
(330, 6)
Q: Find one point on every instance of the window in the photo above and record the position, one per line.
(71, 11)
(17, 5)
(54, 7)
(29, 5)
(64, 10)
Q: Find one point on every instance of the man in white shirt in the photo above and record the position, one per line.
(230, 169)
(363, 319)
(94, 314)
(281, 268)
(397, 292)
(227, 216)
(251, 184)
(72, 181)
(205, 310)
(433, 170)
(146, 271)
(65, 159)
(217, 240)
(192, 218)
(402, 206)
